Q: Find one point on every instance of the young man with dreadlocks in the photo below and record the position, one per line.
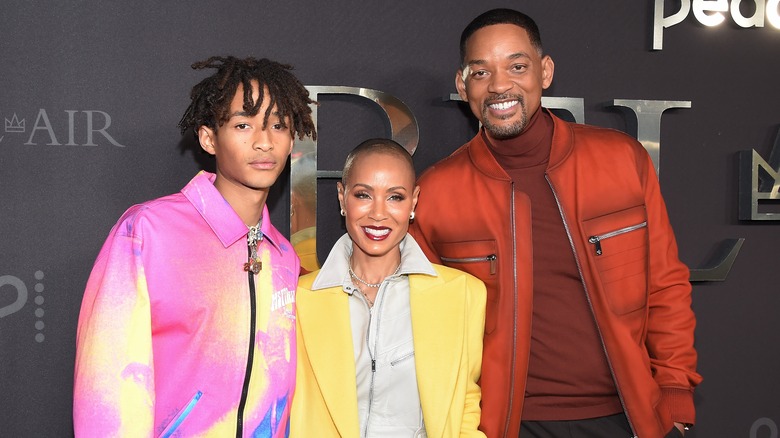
(188, 320)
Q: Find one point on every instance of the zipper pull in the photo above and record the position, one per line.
(596, 240)
(492, 259)
(373, 365)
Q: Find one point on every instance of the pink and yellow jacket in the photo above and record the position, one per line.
(174, 337)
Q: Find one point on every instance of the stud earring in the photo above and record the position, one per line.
(343, 213)
(411, 216)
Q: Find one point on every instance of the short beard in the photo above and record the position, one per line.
(505, 132)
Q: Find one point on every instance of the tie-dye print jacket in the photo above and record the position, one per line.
(174, 337)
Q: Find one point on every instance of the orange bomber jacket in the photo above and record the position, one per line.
(470, 216)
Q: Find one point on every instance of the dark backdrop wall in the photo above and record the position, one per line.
(91, 92)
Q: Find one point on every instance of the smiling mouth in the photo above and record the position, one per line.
(376, 233)
(502, 106)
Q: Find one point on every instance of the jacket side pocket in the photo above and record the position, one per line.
(479, 258)
(181, 416)
(618, 246)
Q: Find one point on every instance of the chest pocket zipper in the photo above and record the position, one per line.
(402, 358)
(596, 240)
(488, 258)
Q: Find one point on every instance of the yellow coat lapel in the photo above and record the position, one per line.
(323, 318)
(435, 312)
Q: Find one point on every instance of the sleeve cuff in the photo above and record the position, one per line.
(679, 403)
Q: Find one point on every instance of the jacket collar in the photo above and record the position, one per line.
(483, 158)
(335, 270)
(222, 219)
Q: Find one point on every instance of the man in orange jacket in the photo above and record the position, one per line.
(589, 328)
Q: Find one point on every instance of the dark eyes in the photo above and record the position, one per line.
(393, 197)
(515, 68)
(276, 126)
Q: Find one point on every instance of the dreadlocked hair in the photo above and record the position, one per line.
(210, 99)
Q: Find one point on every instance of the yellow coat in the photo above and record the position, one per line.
(448, 319)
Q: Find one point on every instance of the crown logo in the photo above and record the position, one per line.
(14, 125)
(759, 185)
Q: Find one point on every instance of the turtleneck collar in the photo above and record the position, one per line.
(530, 148)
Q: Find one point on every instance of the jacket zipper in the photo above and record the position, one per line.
(488, 258)
(371, 354)
(512, 377)
(596, 240)
(250, 356)
(590, 303)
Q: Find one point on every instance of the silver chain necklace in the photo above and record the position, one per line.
(353, 275)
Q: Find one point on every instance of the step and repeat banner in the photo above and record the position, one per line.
(91, 92)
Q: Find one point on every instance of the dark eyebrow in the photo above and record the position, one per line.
(513, 56)
(519, 55)
(246, 114)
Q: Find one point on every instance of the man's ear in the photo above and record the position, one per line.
(548, 68)
(207, 138)
(460, 85)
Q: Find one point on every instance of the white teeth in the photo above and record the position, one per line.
(377, 233)
(503, 105)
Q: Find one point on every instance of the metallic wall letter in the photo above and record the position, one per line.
(757, 20)
(660, 22)
(724, 259)
(648, 114)
(773, 13)
(702, 7)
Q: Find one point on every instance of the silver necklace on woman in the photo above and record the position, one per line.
(353, 275)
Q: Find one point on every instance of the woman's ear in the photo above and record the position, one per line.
(415, 197)
(340, 189)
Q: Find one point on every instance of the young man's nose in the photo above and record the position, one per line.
(262, 140)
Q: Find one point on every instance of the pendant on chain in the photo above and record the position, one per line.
(255, 236)
(254, 266)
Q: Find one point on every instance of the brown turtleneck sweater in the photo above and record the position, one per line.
(568, 374)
